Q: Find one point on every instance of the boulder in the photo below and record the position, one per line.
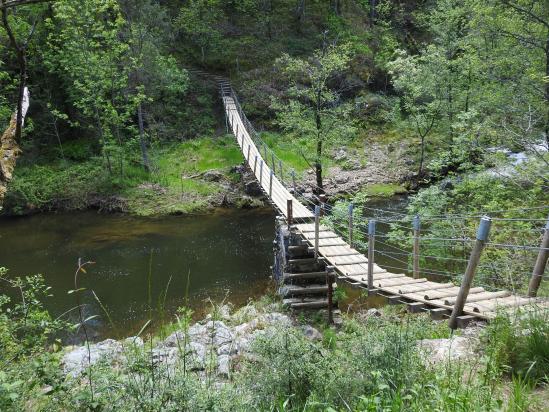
(213, 176)
(252, 188)
(311, 333)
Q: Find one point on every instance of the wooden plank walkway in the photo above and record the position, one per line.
(268, 181)
(350, 264)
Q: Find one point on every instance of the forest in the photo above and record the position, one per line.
(114, 106)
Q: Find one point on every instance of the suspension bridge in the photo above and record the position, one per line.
(310, 256)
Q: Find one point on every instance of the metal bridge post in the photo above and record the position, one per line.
(541, 262)
(317, 228)
(293, 181)
(255, 163)
(271, 184)
(322, 200)
(273, 161)
(482, 236)
(416, 224)
(350, 210)
(248, 155)
(281, 173)
(371, 246)
(265, 151)
(261, 173)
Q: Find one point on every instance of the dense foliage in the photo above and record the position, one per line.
(449, 80)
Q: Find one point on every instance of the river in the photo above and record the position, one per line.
(224, 255)
(188, 259)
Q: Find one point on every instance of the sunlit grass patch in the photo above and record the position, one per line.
(383, 190)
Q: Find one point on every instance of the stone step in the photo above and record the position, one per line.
(300, 276)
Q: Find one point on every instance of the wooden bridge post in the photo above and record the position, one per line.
(261, 173)
(329, 282)
(271, 184)
(290, 212)
(317, 228)
(255, 163)
(350, 209)
(541, 262)
(371, 246)
(482, 236)
(416, 226)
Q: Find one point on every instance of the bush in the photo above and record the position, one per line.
(520, 346)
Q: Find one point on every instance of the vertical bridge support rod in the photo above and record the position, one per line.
(289, 212)
(482, 237)
(293, 181)
(273, 161)
(261, 173)
(351, 207)
(416, 226)
(317, 228)
(541, 262)
(371, 246)
(271, 184)
(255, 164)
(248, 156)
(329, 281)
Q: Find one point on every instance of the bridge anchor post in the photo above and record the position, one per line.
(541, 262)
(482, 237)
(416, 227)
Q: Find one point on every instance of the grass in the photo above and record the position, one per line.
(383, 190)
(371, 364)
(70, 185)
(286, 151)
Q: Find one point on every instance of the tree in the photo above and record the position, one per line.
(147, 31)
(197, 20)
(20, 49)
(313, 109)
(85, 50)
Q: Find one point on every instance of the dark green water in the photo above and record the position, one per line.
(224, 254)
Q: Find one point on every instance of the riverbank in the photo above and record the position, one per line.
(262, 357)
(195, 176)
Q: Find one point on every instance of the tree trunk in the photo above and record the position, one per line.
(421, 156)
(9, 148)
(336, 4)
(142, 142)
(547, 92)
(318, 167)
(373, 4)
(299, 13)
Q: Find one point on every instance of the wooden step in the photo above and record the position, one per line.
(306, 303)
(296, 290)
(305, 275)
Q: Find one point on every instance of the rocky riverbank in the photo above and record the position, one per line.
(219, 345)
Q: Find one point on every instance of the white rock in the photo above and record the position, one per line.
(76, 361)
(440, 350)
(223, 365)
